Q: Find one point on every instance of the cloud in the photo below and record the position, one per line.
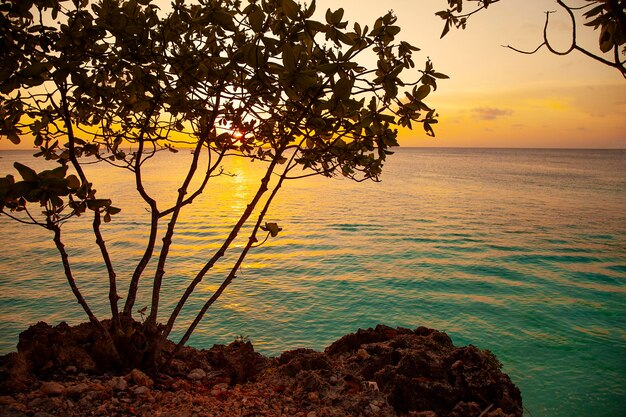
(491, 113)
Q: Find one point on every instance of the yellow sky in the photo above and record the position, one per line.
(496, 97)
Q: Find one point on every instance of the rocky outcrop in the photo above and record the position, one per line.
(379, 372)
(422, 370)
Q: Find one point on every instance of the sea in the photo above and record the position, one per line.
(518, 251)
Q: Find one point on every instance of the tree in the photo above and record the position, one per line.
(608, 15)
(116, 81)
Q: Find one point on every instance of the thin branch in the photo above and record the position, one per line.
(232, 274)
(167, 239)
(222, 250)
(574, 45)
(68, 272)
(154, 223)
(113, 297)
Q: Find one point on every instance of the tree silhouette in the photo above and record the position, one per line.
(117, 81)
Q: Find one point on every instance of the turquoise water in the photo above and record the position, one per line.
(522, 252)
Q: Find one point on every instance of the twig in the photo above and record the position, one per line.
(485, 411)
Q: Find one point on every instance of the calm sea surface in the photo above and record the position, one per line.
(522, 252)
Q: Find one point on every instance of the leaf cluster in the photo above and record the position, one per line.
(454, 16)
(121, 74)
(60, 195)
(610, 17)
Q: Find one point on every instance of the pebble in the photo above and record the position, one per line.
(140, 378)
(372, 385)
(141, 390)
(197, 374)
(52, 388)
(77, 389)
(117, 383)
(362, 354)
(221, 387)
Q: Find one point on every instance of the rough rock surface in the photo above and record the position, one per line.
(380, 372)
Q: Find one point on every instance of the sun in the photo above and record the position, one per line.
(238, 137)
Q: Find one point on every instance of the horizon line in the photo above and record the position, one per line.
(440, 147)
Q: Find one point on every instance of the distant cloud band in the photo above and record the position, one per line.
(491, 113)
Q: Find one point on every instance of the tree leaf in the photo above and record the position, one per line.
(343, 88)
(57, 173)
(315, 26)
(27, 173)
(309, 12)
(289, 58)
(607, 37)
(421, 93)
(256, 19)
(272, 228)
(98, 203)
(336, 16)
(290, 8)
(446, 29)
(224, 19)
(73, 182)
(13, 137)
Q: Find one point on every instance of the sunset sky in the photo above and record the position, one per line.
(496, 97)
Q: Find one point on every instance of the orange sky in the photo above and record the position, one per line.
(496, 97)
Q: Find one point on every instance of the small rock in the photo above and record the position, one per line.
(314, 396)
(52, 388)
(197, 374)
(178, 366)
(9, 403)
(221, 387)
(84, 402)
(362, 354)
(71, 369)
(77, 389)
(423, 414)
(375, 408)
(117, 383)
(372, 385)
(311, 414)
(141, 390)
(139, 378)
(181, 385)
(46, 403)
(6, 400)
(42, 414)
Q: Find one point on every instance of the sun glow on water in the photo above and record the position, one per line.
(519, 252)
